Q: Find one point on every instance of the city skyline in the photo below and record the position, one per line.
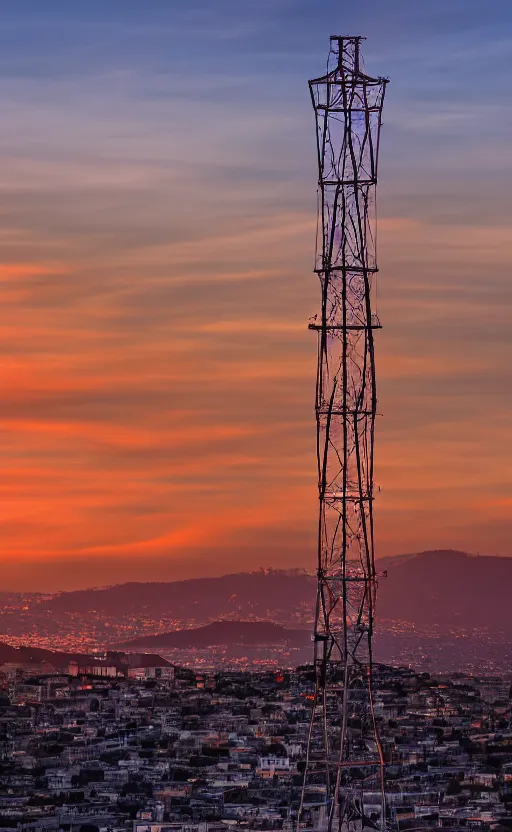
(158, 170)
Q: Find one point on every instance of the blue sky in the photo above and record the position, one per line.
(446, 114)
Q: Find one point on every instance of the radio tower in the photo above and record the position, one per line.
(344, 776)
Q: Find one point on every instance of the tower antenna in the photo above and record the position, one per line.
(344, 772)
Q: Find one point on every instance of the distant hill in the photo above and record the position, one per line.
(449, 589)
(253, 633)
(60, 660)
(275, 595)
(442, 589)
(36, 655)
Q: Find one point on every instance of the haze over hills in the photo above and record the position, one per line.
(267, 593)
(440, 604)
(443, 588)
(448, 589)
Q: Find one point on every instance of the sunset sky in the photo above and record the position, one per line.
(157, 240)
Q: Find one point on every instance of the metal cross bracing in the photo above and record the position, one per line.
(344, 770)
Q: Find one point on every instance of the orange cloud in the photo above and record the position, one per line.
(157, 399)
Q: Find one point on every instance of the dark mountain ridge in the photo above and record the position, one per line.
(252, 633)
(60, 660)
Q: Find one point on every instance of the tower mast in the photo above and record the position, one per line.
(344, 776)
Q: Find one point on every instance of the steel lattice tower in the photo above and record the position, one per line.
(344, 776)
